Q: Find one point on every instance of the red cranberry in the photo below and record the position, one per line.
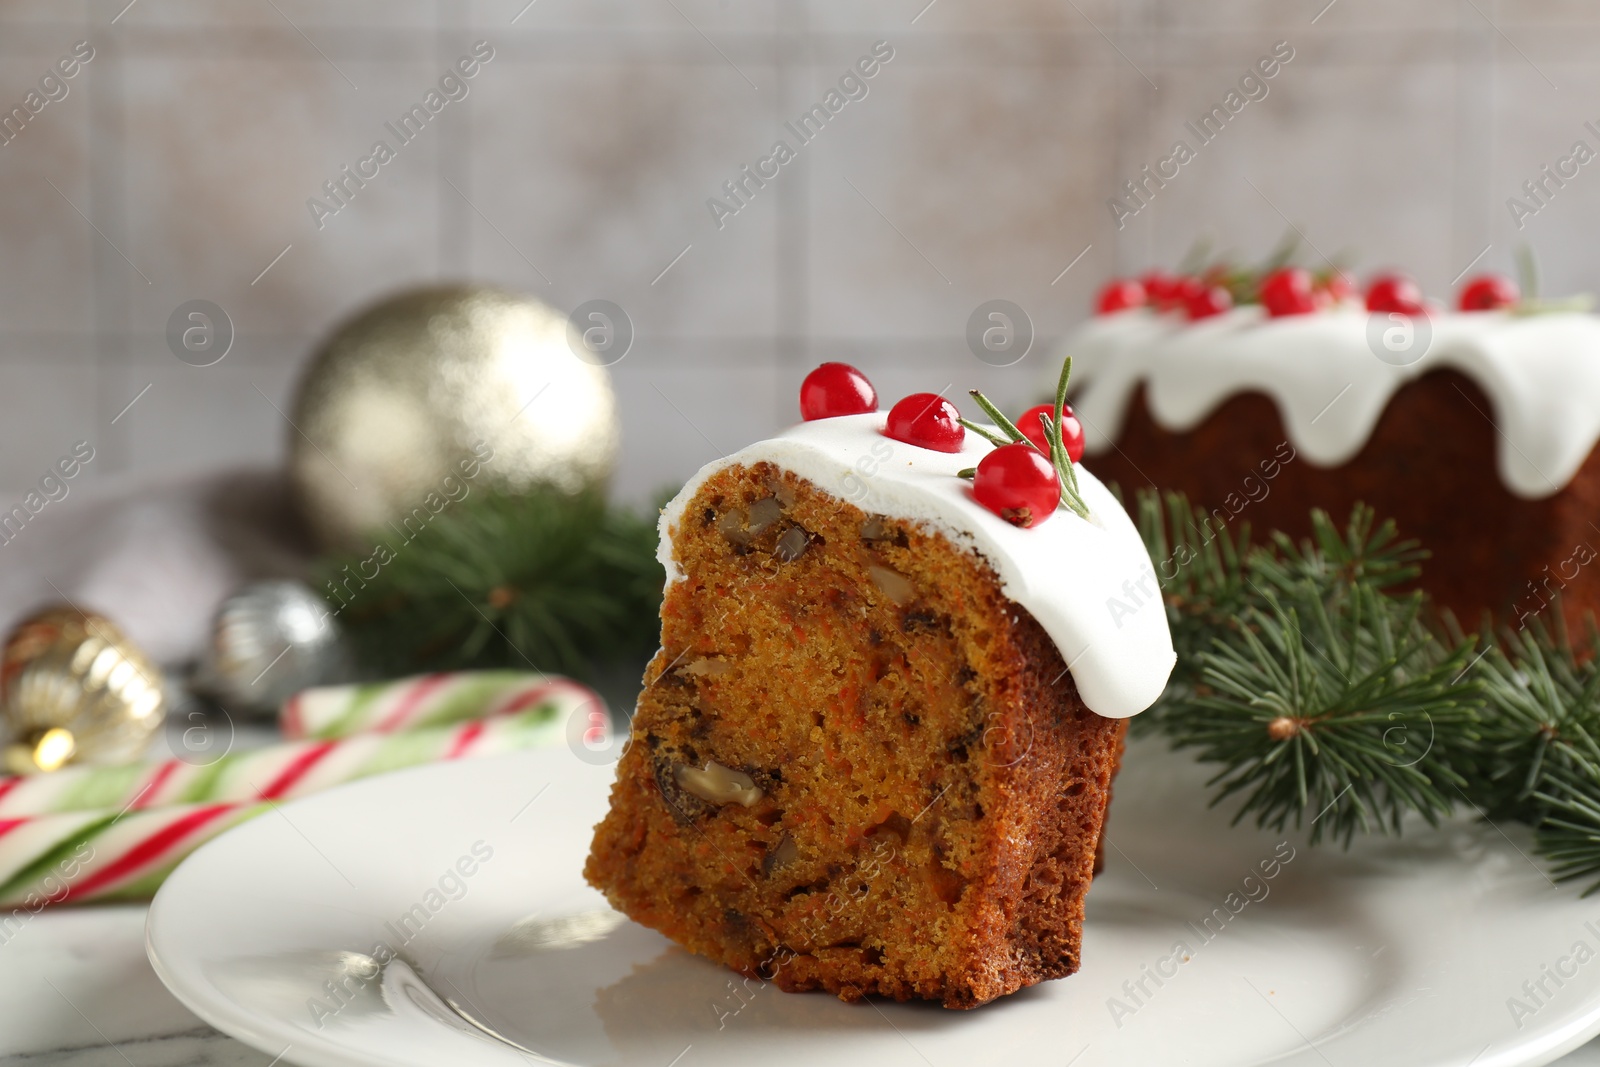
(1336, 287)
(1489, 292)
(1017, 484)
(1071, 434)
(1289, 291)
(1120, 294)
(835, 389)
(1071, 429)
(927, 420)
(1203, 301)
(1395, 292)
(1160, 288)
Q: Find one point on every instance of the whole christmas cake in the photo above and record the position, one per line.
(1473, 428)
(874, 753)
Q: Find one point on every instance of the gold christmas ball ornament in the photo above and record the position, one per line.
(73, 689)
(435, 393)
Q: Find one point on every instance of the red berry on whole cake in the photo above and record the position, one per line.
(1018, 484)
(835, 389)
(1395, 292)
(1335, 287)
(1202, 301)
(1120, 294)
(1289, 291)
(1260, 423)
(926, 420)
(1071, 429)
(1160, 289)
(875, 751)
(1489, 292)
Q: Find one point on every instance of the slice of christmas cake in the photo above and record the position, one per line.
(874, 753)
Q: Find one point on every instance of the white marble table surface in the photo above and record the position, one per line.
(76, 990)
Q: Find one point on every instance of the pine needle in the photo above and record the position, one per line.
(1321, 693)
(533, 581)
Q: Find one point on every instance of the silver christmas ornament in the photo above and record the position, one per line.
(269, 640)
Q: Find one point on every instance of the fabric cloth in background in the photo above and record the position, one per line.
(155, 557)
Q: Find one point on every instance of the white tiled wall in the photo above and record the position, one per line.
(978, 166)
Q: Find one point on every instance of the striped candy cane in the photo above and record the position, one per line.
(277, 772)
(101, 855)
(427, 700)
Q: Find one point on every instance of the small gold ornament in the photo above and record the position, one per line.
(74, 689)
(435, 393)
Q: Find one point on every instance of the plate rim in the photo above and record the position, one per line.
(211, 1005)
(218, 1011)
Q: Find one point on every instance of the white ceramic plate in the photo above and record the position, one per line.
(1409, 953)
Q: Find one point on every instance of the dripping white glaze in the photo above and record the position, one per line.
(1541, 374)
(1089, 583)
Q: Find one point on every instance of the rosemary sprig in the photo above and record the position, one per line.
(1014, 435)
(1531, 303)
(983, 432)
(1055, 450)
(1058, 451)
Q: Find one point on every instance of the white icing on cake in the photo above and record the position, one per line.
(1089, 583)
(1541, 374)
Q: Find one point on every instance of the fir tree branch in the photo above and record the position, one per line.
(1539, 758)
(539, 580)
(1542, 699)
(1365, 553)
(1345, 711)
(1200, 565)
(1326, 699)
(1569, 833)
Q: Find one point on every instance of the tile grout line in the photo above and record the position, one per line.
(108, 201)
(455, 245)
(792, 342)
(1473, 207)
(113, 300)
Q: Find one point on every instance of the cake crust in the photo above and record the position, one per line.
(929, 789)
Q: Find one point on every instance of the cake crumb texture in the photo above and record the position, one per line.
(855, 766)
